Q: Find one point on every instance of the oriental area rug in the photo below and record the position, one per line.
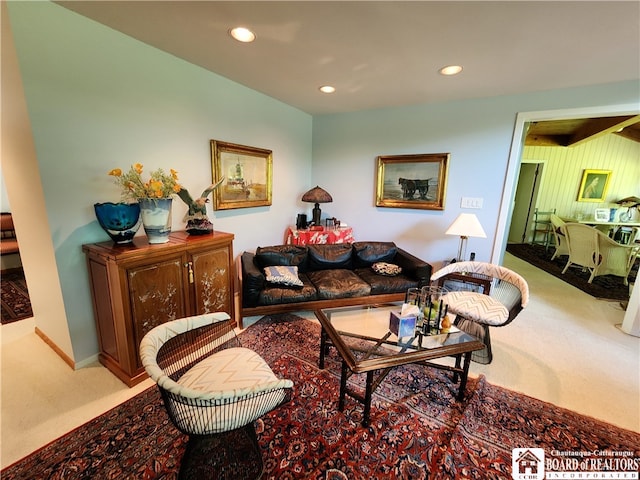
(605, 287)
(14, 297)
(418, 430)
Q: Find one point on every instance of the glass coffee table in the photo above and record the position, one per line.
(361, 336)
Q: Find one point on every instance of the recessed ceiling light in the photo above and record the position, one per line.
(242, 34)
(450, 70)
(327, 89)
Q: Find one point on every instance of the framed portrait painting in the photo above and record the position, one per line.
(412, 181)
(246, 174)
(593, 186)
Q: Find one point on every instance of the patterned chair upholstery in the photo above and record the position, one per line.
(211, 387)
(505, 294)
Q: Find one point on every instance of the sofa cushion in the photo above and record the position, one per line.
(281, 255)
(387, 269)
(368, 253)
(283, 275)
(330, 256)
(338, 283)
(274, 294)
(382, 284)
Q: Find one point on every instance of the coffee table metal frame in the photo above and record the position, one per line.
(373, 360)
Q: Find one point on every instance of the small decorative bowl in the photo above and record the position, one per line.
(121, 221)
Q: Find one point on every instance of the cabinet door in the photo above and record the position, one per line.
(212, 280)
(157, 293)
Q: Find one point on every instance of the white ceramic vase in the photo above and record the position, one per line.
(156, 218)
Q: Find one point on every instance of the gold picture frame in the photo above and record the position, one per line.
(593, 186)
(412, 181)
(247, 174)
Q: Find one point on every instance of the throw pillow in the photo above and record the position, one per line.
(387, 269)
(283, 275)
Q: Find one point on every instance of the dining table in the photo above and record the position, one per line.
(610, 228)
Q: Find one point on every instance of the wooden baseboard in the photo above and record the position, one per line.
(55, 348)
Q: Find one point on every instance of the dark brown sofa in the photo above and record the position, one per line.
(332, 276)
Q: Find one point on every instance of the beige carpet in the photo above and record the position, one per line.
(564, 349)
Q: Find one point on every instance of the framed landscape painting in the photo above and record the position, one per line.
(412, 181)
(593, 187)
(246, 174)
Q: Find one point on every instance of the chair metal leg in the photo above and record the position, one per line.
(226, 456)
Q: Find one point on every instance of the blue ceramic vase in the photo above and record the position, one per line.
(121, 221)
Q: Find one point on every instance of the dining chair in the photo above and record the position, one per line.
(562, 247)
(599, 254)
(542, 227)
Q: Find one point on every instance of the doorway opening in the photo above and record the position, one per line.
(523, 120)
(525, 201)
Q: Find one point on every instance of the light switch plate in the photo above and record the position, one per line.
(469, 202)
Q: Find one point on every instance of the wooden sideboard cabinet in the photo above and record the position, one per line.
(136, 287)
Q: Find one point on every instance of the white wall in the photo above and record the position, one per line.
(478, 134)
(22, 180)
(98, 99)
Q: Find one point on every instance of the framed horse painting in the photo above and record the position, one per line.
(412, 181)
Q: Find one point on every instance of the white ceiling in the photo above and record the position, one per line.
(387, 53)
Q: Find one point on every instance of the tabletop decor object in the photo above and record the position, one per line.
(630, 203)
(154, 197)
(120, 220)
(429, 311)
(156, 218)
(434, 311)
(198, 222)
(317, 196)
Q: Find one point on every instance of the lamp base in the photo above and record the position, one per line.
(316, 214)
(462, 250)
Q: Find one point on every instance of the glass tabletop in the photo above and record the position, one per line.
(363, 337)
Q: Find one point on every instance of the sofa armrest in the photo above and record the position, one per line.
(253, 280)
(414, 267)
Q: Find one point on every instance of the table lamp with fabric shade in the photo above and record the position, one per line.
(465, 226)
(317, 195)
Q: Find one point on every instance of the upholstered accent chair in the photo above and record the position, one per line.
(499, 298)
(595, 251)
(561, 244)
(212, 387)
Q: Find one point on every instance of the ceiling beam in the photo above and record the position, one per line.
(630, 134)
(598, 127)
(542, 140)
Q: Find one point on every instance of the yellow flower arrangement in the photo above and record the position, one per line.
(160, 184)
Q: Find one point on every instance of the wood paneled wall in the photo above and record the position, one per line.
(563, 168)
